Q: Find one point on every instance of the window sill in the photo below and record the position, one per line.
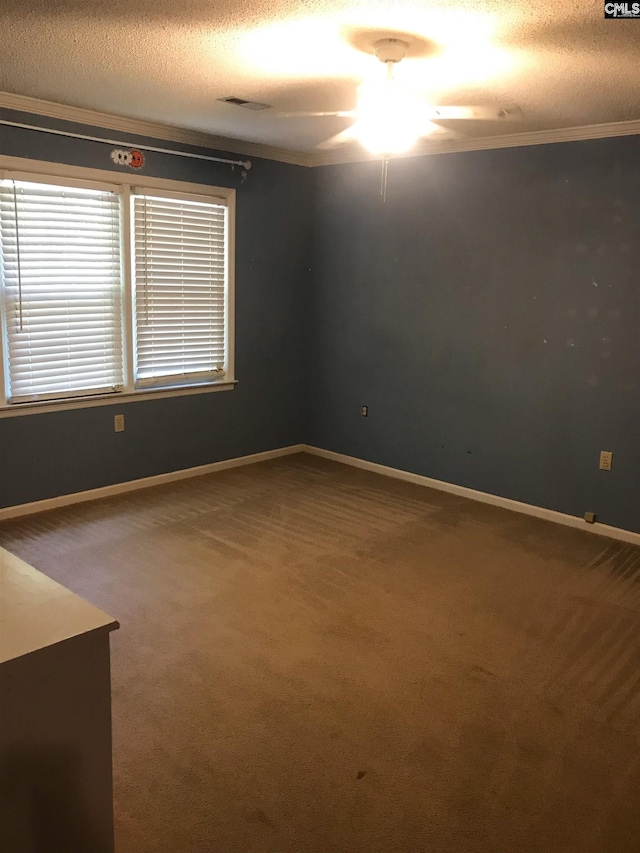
(40, 408)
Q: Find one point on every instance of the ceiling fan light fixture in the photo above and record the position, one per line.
(388, 119)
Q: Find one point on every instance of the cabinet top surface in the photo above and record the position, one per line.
(36, 612)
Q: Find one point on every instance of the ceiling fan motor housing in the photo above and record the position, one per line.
(390, 50)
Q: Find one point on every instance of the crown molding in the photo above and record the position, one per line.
(510, 140)
(156, 130)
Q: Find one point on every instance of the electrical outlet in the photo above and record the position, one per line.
(364, 411)
(118, 423)
(606, 458)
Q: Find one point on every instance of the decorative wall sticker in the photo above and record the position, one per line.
(134, 158)
(120, 157)
(137, 159)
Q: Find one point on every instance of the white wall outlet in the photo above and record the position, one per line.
(606, 458)
(364, 411)
(118, 423)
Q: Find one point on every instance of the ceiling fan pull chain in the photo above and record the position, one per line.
(383, 179)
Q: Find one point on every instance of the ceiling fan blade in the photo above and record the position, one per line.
(471, 113)
(341, 138)
(339, 113)
(430, 130)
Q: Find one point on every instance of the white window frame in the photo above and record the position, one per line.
(43, 172)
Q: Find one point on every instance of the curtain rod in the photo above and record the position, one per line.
(246, 164)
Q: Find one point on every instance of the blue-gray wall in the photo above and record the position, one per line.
(488, 314)
(45, 455)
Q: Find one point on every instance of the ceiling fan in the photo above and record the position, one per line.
(389, 117)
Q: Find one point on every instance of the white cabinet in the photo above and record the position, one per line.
(56, 791)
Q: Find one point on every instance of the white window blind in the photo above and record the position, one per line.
(62, 293)
(180, 275)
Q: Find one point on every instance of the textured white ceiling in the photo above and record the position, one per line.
(170, 60)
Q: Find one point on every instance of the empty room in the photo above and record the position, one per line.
(319, 348)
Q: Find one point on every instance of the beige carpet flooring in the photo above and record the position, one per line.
(315, 659)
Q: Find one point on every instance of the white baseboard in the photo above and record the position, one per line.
(145, 482)
(483, 497)
(418, 479)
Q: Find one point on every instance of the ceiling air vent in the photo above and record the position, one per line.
(248, 105)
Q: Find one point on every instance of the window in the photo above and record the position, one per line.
(61, 290)
(180, 288)
(112, 289)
